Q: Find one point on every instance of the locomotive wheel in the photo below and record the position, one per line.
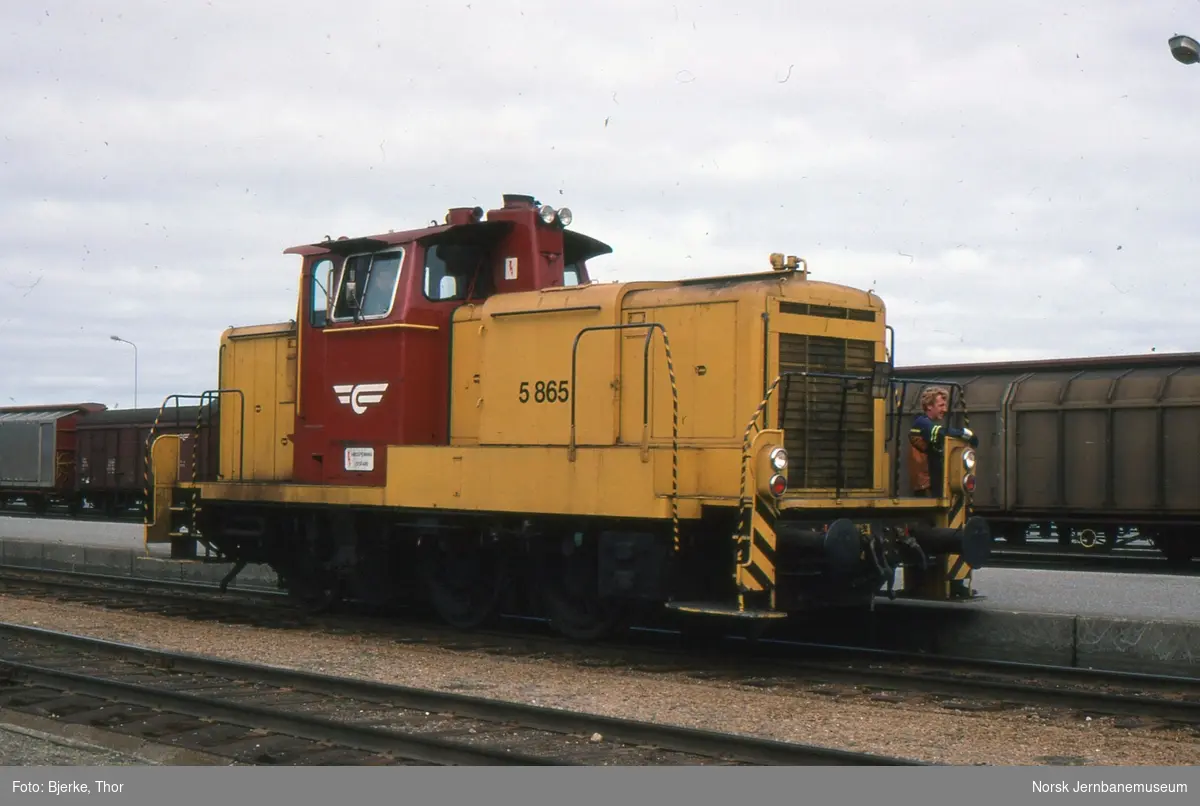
(571, 594)
(466, 582)
(316, 593)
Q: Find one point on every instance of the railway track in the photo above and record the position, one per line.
(840, 671)
(970, 684)
(193, 600)
(266, 715)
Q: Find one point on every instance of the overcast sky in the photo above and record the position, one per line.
(1015, 179)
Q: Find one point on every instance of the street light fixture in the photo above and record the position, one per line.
(135, 373)
(1185, 49)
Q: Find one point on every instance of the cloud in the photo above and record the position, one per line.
(1013, 179)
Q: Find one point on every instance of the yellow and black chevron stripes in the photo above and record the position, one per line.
(743, 504)
(756, 571)
(956, 565)
(957, 512)
(959, 570)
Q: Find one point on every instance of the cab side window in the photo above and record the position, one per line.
(322, 283)
(440, 284)
(455, 271)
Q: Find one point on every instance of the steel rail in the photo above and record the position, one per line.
(781, 653)
(416, 747)
(1090, 702)
(934, 679)
(90, 580)
(742, 748)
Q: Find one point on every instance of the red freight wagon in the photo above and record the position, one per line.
(111, 458)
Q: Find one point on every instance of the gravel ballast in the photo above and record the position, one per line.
(911, 727)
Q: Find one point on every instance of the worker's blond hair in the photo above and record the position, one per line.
(930, 395)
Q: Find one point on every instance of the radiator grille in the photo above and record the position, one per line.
(812, 408)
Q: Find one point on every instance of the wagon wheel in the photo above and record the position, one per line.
(1176, 548)
(1096, 541)
(466, 579)
(570, 590)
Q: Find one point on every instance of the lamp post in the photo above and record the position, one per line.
(1185, 49)
(134, 346)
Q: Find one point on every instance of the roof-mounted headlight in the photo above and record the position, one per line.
(564, 216)
(547, 213)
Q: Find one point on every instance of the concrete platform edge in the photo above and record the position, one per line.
(127, 563)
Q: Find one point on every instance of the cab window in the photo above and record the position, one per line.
(452, 271)
(322, 282)
(370, 281)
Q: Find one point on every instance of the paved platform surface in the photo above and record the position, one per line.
(1095, 593)
(57, 530)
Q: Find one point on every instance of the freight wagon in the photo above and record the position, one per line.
(111, 453)
(37, 453)
(1087, 446)
(87, 457)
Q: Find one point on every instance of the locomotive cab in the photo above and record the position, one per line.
(374, 348)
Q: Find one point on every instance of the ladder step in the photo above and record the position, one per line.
(180, 509)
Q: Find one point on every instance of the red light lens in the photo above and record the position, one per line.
(969, 483)
(778, 485)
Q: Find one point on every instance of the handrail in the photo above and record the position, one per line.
(650, 328)
(893, 382)
(207, 397)
(958, 400)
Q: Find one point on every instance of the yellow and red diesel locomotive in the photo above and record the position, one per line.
(459, 412)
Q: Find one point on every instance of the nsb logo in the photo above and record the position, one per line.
(359, 396)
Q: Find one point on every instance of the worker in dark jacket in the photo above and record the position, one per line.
(927, 440)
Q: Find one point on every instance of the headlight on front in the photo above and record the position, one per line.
(968, 460)
(779, 459)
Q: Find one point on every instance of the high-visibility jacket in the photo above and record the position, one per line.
(926, 443)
